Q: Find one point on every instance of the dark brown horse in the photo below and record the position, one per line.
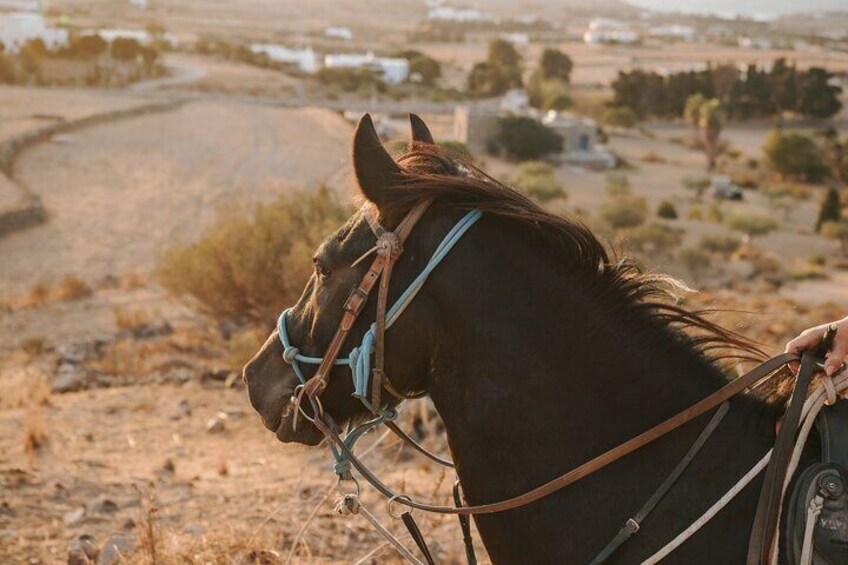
(539, 352)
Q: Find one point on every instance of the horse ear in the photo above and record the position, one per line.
(420, 131)
(374, 167)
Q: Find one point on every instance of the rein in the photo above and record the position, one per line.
(388, 249)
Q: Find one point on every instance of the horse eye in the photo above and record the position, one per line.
(321, 270)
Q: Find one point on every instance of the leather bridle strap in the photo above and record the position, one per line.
(389, 247)
(712, 401)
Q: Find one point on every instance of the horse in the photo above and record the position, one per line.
(539, 350)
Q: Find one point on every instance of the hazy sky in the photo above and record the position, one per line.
(767, 8)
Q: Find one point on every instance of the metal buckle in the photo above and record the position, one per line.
(355, 301)
(631, 526)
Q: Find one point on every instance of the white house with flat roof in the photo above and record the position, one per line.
(304, 59)
(393, 70)
(17, 28)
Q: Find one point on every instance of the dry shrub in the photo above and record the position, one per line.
(132, 281)
(38, 295)
(243, 345)
(34, 345)
(35, 432)
(251, 263)
(72, 288)
(652, 157)
(22, 387)
(149, 533)
(132, 318)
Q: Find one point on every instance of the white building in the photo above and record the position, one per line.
(304, 59)
(392, 70)
(447, 13)
(604, 30)
(684, 33)
(755, 43)
(344, 33)
(18, 28)
(516, 38)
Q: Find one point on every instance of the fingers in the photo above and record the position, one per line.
(836, 357)
(807, 340)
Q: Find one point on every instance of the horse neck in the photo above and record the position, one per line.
(536, 373)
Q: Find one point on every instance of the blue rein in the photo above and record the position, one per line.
(359, 359)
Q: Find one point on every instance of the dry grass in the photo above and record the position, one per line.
(34, 432)
(38, 295)
(72, 288)
(34, 345)
(22, 387)
(132, 318)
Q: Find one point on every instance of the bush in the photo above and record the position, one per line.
(667, 210)
(536, 179)
(745, 180)
(751, 224)
(795, 155)
(250, 264)
(831, 209)
(619, 116)
(837, 231)
(618, 185)
(624, 211)
(652, 239)
(457, 150)
(696, 261)
(350, 80)
(698, 184)
(72, 288)
(721, 244)
(525, 138)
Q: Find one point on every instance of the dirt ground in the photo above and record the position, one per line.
(116, 193)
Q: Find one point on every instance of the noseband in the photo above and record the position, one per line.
(388, 249)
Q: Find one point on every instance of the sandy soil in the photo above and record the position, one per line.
(229, 77)
(121, 191)
(218, 495)
(21, 109)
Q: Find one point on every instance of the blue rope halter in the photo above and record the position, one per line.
(359, 359)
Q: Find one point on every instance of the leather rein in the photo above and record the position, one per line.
(387, 250)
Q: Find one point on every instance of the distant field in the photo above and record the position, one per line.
(595, 64)
(119, 192)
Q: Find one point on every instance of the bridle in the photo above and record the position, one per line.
(388, 250)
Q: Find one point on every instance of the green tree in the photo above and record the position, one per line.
(486, 79)
(554, 64)
(831, 209)
(502, 53)
(125, 49)
(711, 123)
(818, 97)
(692, 111)
(795, 155)
(425, 67)
(619, 116)
(525, 138)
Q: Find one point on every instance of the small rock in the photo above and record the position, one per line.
(6, 510)
(211, 376)
(69, 378)
(183, 410)
(101, 505)
(128, 524)
(71, 353)
(169, 467)
(74, 516)
(193, 529)
(217, 424)
(82, 551)
(116, 549)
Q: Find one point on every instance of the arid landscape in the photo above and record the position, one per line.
(126, 435)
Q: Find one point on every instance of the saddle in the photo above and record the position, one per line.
(817, 513)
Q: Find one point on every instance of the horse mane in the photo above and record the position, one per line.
(431, 172)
